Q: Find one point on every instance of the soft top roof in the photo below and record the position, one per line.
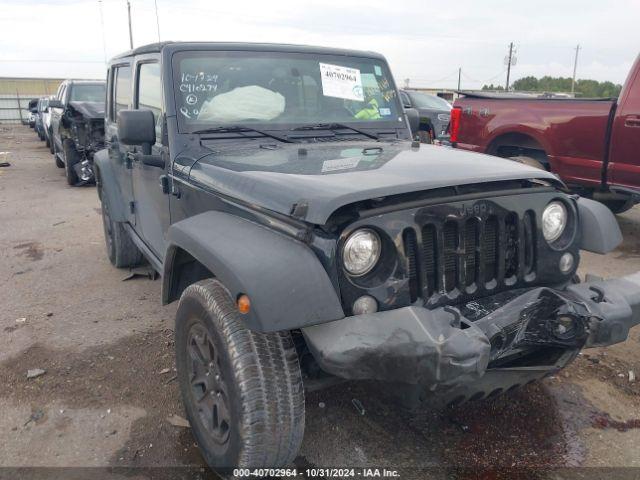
(244, 46)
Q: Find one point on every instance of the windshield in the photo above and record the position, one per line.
(88, 93)
(277, 89)
(424, 100)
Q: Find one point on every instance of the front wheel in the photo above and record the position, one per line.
(425, 136)
(121, 250)
(526, 160)
(242, 390)
(71, 158)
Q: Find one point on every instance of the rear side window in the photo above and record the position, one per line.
(150, 91)
(122, 90)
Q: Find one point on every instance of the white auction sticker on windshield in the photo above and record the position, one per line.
(341, 82)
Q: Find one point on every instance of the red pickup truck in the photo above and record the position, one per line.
(593, 145)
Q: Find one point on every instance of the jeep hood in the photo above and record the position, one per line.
(323, 178)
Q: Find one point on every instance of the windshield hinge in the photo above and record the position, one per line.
(300, 209)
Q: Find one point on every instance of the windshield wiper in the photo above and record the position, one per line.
(336, 126)
(240, 129)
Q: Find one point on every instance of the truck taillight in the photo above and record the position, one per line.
(454, 124)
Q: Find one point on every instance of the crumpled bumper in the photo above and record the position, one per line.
(453, 346)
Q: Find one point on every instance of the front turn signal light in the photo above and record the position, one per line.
(244, 304)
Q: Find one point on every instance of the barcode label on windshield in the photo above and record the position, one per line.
(341, 82)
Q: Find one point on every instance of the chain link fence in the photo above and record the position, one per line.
(15, 94)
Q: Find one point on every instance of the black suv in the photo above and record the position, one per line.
(77, 127)
(307, 239)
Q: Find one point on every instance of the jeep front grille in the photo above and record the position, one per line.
(469, 256)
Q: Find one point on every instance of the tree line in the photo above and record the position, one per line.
(583, 88)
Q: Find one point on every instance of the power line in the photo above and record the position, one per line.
(47, 60)
(104, 41)
(155, 2)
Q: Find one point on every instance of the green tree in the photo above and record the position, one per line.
(583, 87)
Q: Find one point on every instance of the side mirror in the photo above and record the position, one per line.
(55, 104)
(137, 127)
(413, 117)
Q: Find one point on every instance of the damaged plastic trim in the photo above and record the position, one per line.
(448, 347)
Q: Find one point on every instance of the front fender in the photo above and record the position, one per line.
(108, 185)
(284, 279)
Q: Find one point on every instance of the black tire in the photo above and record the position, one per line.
(618, 206)
(121, 250)
(425, 136)
(46, 141)
(71, 158)
(256, 417)
(51, 144)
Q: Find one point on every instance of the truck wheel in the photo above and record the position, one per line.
(71, 158)
(532, 162)
(59, 163)
(242, 390)
(50, 144)
(425, 136)
(121, 250)
(618, 206)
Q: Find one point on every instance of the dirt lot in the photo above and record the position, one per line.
(106, 344)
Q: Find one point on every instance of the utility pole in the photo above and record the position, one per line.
(575, 68)
(509, 60)
(130, 31)
(459, 75)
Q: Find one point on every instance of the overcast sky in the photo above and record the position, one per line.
(424, 41)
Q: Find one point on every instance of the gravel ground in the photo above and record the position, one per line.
(109, 390)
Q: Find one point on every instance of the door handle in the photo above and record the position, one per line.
(632, 121)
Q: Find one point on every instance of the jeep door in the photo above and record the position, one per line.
(151, 203)
(119, 95)
(56, 117)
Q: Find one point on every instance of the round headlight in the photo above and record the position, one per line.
(554, 221)
(361, 251)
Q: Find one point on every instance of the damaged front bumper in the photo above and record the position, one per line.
(537, 330)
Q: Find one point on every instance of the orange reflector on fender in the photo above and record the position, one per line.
(244, 304)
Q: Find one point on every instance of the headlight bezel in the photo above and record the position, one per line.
(567, 235)
(346, 246)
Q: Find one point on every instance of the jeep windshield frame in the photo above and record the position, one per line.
(283, 91)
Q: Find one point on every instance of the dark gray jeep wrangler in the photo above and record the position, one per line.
(307, 238)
